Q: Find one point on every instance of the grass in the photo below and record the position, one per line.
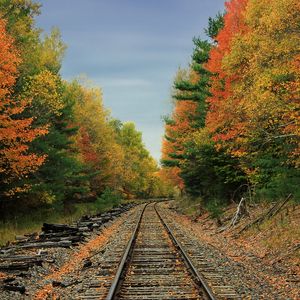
(32, 221)
(276, 236)
(188, 206)
(280, 231)
(194, 207)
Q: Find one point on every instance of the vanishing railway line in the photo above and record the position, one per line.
(134, 252)
(155, 266)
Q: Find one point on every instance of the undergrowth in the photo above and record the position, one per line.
(194, 207)
(31, 221)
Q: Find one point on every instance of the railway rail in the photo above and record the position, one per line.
(156, 266)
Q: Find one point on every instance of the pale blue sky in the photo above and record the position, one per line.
(131, 49)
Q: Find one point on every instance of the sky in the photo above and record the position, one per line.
(131, 49)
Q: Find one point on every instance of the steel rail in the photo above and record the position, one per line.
(115, 284)
(209, 294)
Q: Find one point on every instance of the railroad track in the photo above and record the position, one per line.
(155, 266)
(215, 275)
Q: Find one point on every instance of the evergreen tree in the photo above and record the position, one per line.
(206, 171)
(61, 175)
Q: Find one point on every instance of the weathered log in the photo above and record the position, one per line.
(47, 244)
(21, 238)
(58, 227)
(44, 235)
(276, 210)
(15, 288)
(95, 225)
(31, 236)
(84, 228)
(96, 220)
(20, 258)
(19, 265)
(241, 211)
(73, 238)
(270, 213)
(106, 218)
(85, 234)
(86, 224)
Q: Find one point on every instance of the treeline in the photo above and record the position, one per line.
(234, 130)
(58, 143)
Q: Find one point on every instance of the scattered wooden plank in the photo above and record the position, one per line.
(20, 257)
(274, 210)
(47, 244)
(47, 227)
(15, 288)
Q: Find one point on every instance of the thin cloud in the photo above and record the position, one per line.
(122, 82)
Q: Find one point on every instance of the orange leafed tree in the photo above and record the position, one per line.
(221, 111)
(180, 128)
(177, 133)
(87, 151)
(266, 94)
(15, 132)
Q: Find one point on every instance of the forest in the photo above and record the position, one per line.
(234, 128)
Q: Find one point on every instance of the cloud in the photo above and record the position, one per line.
(122, 82)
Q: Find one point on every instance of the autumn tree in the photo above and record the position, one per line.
(96, 140)
(138, 167)
(16, 161)
(221, 111)
(55, 106)
(265, 95)
(20, 16)
(206, 171)
(39, 80)
(178, 126)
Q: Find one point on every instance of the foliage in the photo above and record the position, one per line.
(16, 161)
(46, 92)
(96, 141)
(138, 166)
(210, 173)
(255, 117)
(188, 149)
(214, 26)
(108, 197)
(244, 129)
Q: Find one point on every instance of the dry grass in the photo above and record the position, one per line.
(278, 236)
